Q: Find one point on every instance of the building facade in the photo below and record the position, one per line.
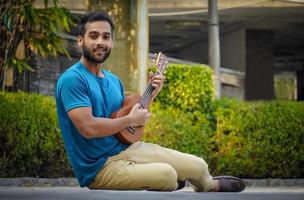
(261, 43)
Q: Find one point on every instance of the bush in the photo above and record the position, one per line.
(184, 131)
(260, 139)
(188, 88)
(31, 143)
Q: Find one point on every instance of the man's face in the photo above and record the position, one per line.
(97, 41)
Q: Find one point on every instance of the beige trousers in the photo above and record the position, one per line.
(152, 167)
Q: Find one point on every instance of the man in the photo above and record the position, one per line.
(86, 95)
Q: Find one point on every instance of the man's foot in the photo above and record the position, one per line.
(228, 184)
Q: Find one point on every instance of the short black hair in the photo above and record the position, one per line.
(93, 17)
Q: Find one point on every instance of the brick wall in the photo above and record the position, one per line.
(48, 70)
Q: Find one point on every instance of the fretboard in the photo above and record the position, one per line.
(145, 98)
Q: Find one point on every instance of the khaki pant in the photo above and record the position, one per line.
(152, 167)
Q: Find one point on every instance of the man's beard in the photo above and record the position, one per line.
(90, 57)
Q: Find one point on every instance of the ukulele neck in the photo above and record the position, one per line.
(145, 98)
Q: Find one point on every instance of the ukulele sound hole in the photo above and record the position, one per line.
(131, 130)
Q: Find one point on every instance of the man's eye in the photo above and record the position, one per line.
(106, 37)
(93, 36)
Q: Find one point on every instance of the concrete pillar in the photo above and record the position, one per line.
(300, 85)
(214, 45)
(233, 50)
(259, 82)
(142, 49)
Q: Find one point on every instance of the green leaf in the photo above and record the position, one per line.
(37, 26)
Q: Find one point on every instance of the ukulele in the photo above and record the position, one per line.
(133, 134)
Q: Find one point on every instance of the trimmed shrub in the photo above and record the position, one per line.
(188, 88)
(183, 131)
(31, 143)
(260, 139)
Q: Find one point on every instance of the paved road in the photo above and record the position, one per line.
(76, 193)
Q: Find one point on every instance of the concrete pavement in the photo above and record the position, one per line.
(67, 188)
(71, 182)
(77, 193)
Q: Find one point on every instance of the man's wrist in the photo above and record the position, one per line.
(129, 120)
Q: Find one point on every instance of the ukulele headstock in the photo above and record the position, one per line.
(161, 62)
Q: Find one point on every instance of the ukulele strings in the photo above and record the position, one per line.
(147, 93)
(145, 98)
(143, 102)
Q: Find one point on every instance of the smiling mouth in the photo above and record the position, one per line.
(99, 50)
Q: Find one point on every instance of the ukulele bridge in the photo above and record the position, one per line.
(131, 130)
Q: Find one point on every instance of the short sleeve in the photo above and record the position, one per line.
(73, 92)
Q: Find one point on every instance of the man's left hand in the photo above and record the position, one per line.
(157, 83)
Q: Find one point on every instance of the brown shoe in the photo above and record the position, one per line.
(230, 184)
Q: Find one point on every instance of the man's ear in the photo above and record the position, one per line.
(79, 40)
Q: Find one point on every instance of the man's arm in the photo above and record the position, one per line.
(93, 127)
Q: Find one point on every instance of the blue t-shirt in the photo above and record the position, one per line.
(78, 87)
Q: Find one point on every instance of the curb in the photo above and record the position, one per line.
(72, 182)
(274, 182)
(38, 182)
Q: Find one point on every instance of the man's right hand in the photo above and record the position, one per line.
(139, 116)
(93, 127)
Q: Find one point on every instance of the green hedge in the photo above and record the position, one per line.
(252, 140)
(187, 87)
(176, 129)
(31, 143)
(260, 139)
(182, 112)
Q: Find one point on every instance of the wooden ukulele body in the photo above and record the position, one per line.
(128, 136)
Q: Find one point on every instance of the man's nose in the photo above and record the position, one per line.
(100, 40)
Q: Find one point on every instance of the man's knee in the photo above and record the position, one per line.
(199, 166)
(167, 179)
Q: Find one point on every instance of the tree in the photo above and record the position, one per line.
(37, 28)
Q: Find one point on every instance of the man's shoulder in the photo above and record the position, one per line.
(71, 72)
(71, 79)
